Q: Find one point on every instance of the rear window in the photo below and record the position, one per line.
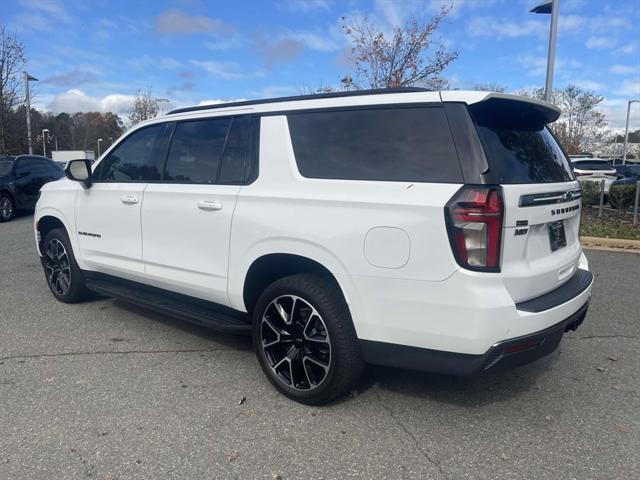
(519, 149)
(591, 165)
(410, 144)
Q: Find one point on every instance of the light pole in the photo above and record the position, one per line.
(110, 140)
(44, 141)
(626, 131)
(551, 7)
(99, 140)
(28, 78)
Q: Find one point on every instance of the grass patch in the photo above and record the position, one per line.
(612, 224)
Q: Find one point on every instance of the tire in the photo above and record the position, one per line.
(63, 276)
(305, 341)
(7, 207)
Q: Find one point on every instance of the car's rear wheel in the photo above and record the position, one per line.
(7, 208)
(64, 277)
(305, 340)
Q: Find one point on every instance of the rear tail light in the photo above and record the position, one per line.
(474, 223)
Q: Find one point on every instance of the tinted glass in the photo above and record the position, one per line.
(591, 165)
(411, 144)
(236, 152)
(22, 165)
(5, 167)
(134, 160)
(522, 156)
(38, 166)
(196, 151)
(53, 169)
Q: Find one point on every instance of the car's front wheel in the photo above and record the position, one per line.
(305, 340)
(64, 277)
(7, 208)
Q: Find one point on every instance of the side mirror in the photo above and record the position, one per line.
(79, 171)
(22, 174)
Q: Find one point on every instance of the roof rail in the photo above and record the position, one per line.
(355, 93)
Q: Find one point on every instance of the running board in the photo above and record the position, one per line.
(193, 310)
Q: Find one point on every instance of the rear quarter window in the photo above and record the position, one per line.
(519, 149)
(412, 144)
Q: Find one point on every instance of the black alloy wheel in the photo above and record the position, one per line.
(305, 339)
(57, 267)
(296, 343)
(7, 208)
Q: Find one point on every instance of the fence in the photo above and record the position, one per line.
(621, 196)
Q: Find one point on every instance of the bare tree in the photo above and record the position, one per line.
(145, 106)
(489, 87)
(12, 60)
(403, 59)
(582, 126)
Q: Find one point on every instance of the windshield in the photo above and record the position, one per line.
(5, 167)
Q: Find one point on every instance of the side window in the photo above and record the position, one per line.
(135, 159)
(196, 151)
(40, 166)
(53, 168)
(22, 166)
(235, 161)
(405, 144)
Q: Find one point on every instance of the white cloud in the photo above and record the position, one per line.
(146, 62)
(603, 41)
(628, 88)
(504, 28)
(536, 65)
(615, 110)
(458, 6)
(75, 100)
(224, 70)
(41, 15)
(628, 48)
(329, 40)
(571, 22)
(624, 69)
(588, 84)
(229, 42)
(274, 91)
(304, 6)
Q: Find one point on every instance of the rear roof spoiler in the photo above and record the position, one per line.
(544, 112)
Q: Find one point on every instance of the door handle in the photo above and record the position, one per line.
(129, 199)
(209, 205)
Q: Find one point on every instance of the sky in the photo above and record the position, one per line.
(94, 55)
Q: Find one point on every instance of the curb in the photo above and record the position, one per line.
(611, 244)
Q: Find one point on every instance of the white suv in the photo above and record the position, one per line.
(427, 230)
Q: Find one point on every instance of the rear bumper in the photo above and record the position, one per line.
(509, 353)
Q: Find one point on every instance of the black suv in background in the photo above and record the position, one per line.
(21, 178)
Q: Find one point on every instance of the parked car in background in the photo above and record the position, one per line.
(627, 171)
(21, 178)
(594, 170)
(627, 175)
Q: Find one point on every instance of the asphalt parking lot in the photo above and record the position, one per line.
(107, 390)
